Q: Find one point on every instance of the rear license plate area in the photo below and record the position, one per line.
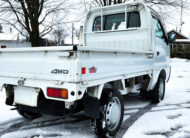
(26, 96)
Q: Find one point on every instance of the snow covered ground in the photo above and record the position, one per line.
(170, 119)
(5, 113)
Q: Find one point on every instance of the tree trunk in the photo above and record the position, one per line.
(35, 39)
(35, 34)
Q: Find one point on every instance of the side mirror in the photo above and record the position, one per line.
(172, 37)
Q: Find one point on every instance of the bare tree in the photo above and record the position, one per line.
(60, 33)
(109, 2)
(1, 29)
(174, 3)
(171, 11)
(32, 18)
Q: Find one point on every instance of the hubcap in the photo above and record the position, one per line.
(113, 113)
(161, 89)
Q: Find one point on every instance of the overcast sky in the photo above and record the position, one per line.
(186, 25)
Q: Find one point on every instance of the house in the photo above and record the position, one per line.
(10, 40)
(181, 46)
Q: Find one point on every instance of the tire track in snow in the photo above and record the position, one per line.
(25, 124)
(134, 116)
(14, 126)
(59, 122)
(154, 105)
(29, 124)
(156, 108)
(132, 119)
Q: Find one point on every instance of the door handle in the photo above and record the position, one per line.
(158, 53)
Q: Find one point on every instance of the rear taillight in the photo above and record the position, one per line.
(57, 93)
(83, 70)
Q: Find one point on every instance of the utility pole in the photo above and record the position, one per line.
(72, 33)
(181, 18)
(86, 10)
(1, 29)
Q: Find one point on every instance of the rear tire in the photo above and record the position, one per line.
(28, 115)
(112, 111)
(159, 90)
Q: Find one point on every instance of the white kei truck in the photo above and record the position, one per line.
(125, 49)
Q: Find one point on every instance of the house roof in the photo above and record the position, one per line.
(183, 36)
(182, 41)
(7, 37)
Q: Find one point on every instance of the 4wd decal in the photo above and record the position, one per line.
(59, 71)
(92, 70)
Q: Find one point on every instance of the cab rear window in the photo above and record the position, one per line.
(117, 21)
(133, 20)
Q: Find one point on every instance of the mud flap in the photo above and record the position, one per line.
(91, 106)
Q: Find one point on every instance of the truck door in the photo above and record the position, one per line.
(162, 51)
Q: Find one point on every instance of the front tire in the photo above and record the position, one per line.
(112, 111)
(159, 90)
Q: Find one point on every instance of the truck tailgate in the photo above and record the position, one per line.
(50, 63)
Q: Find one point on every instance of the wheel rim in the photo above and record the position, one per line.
(161, 89)
(113, 113)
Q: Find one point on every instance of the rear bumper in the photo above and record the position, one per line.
(51, 107)
(44, 84)
(89, 105)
